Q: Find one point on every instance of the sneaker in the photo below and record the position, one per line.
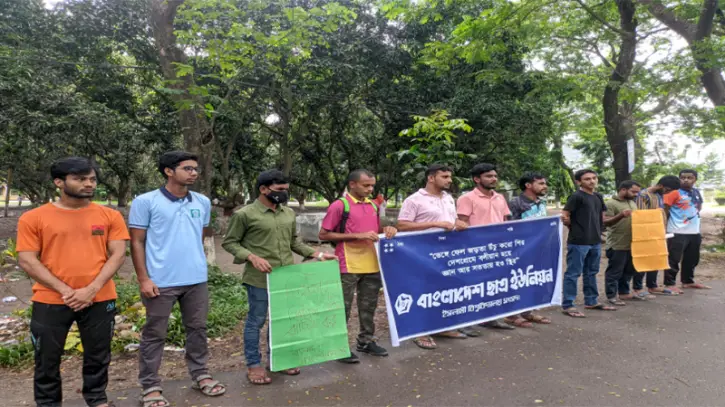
(371, 348)
(352, 359)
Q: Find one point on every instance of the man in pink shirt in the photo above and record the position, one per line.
(484, 206)
(429, 208)
(353, 223)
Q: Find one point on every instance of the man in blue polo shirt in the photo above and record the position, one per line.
(168, 226)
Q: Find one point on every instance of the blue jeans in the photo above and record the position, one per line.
(256, 317)
(582, 261)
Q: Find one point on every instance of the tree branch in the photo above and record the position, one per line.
(602, 20)
(707, 18)
(668, 18)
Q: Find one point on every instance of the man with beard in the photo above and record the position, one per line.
(264, 235)
(653, 198)
(530, 204)
(430, 208)
(683, 209)
(485, 206)
(72, 248)
(584, 215)
(620, 267)
(168, 226)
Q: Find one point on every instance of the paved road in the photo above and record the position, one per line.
(662, 353)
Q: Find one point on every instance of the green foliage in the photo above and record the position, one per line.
(227, 306)
(433, 139)
(16, 355)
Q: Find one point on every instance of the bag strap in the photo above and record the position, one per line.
(345, 215)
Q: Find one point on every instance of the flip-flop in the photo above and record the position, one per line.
(519, 322)
(537, 319)
(452, 335)
(617, 302)
(697, 286)
(600, 307)
(645, 295)
(425, 343)
(470, 331)
(666, 291)
(573, 312)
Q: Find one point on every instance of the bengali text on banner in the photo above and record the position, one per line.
(437, 281)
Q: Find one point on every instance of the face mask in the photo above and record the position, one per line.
(278, 197)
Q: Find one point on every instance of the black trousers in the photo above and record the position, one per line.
(639, 279)
(620, 271)
(684, 249)
(49, 327)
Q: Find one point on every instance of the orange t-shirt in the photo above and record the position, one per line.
(72, 245)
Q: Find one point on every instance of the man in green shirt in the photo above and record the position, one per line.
(617, 219)
(264, 235)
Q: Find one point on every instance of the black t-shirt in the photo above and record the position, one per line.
(586, 218)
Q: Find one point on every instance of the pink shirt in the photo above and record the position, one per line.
(483, 210)
(422, 207)
(356, 256)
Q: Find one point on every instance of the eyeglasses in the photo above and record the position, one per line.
(192, 169)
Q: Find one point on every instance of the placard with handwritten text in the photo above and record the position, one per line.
(306, 315)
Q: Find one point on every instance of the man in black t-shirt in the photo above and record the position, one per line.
(584, 215)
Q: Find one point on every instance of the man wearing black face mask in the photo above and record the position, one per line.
(264, 235)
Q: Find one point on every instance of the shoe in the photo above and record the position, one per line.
(352, 359)
(371, 348)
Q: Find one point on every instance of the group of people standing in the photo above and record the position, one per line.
(587, 215)
(73, 247)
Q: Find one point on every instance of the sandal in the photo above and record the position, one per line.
(617, 302)
(644, 295)
(518, 322)
(600, 307)
(207, 388)
(425, 342)
(537, 319)
(674, 289)
(470, 332)
(452, 335)
(573, 312)
(697, 286)
(291, 372)
(662, 291)
(258, 376)
(497, 324)
(153, 401)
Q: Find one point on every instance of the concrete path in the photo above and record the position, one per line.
(667, 352)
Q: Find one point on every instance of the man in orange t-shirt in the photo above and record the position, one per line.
(72, 248)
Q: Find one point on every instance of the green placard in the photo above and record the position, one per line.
(306, 315)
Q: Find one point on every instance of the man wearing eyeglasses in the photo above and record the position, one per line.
(168, 226)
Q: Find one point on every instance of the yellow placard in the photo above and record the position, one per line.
(649, 244)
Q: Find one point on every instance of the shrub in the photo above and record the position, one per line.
(227, 306)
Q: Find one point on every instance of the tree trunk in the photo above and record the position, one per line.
(618, 121)
(7, 191)
(196, 130)
(301, 197)
(124, 187)
(697, 36)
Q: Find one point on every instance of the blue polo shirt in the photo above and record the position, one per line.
(174, 229)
